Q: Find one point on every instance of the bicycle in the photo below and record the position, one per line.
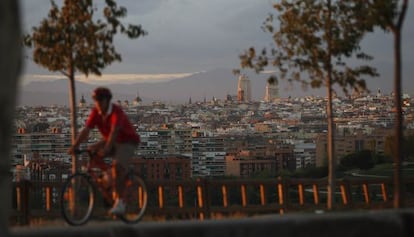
(79, 192)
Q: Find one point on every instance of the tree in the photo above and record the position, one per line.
(389, 15)
(407, 147)
(72, 39)
(362, 160)
(10, 67)
(313, 42)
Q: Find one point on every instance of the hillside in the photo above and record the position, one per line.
(216, 83)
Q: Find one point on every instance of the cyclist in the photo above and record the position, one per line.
(119, 138)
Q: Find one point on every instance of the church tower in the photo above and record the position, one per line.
(137, 100)
(82, 102)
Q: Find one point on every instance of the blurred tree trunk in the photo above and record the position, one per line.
(396, 29)
(10, 65)
(389, 15)
(329, 112)
(398, 187)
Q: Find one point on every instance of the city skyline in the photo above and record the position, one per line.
(216, 84)
(186, 38)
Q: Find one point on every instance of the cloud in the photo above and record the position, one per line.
(110, 78)
(187, 36)
(195, 35)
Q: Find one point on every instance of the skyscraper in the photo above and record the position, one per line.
(272, 92)
(244, 92)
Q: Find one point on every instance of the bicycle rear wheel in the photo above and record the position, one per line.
(77, 199)
(136, 199)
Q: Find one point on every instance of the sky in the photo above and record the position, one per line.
(191, 36)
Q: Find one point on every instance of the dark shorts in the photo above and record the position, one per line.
(122, 152)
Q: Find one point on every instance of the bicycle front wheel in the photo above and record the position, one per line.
(77, 199)
(136, 199)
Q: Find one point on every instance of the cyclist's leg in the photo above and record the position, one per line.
(122, 154)
(95, 160)
(96, 146)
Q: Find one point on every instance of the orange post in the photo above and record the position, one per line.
(262, 195)
(344, 196)
(47, 198)
(244, 196)
(200, 196)
(281, 199)
(280, 192)
(315, 194)
(224, 192)
(180, 196)
(300, 190)
(19, 199)
(160, 197)
(141, 196)
(366, 193)
(384, 192)
(200, 201)
(112, 180)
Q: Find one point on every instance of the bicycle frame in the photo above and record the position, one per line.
(96, 162)
(134, 193)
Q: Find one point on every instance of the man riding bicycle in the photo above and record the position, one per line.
(119, 138)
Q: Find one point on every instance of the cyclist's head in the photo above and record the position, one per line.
(101, 93)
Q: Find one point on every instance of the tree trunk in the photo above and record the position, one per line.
(398, 196)
(10, 65)
(73, 111)
(331, 156)
(396, 29)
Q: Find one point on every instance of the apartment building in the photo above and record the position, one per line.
(304, 153)
(245, 166)
(51, 144)
(348, 143)
(166, 140)
(162, 167)
(208, 155)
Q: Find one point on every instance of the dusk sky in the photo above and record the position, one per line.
(190, 36)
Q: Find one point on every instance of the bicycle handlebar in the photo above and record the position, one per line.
(80, 151)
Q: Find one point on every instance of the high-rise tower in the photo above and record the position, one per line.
(272, 92)
(244, 92)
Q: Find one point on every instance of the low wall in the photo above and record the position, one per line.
(371, 223)
(206, 198)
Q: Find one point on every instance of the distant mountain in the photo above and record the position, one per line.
(216, 83)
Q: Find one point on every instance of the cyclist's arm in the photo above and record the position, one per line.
(83, 135)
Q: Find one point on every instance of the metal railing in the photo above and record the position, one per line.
(211, 198)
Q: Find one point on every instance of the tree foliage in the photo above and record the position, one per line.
(362, 160)
(386, 14)
(311, 172)
(72, 36)
(407, 147)
(313, 43)
(307, 43)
